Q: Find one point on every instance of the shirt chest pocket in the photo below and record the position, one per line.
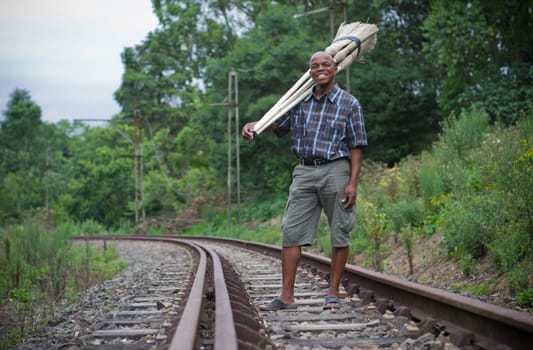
(337, 129)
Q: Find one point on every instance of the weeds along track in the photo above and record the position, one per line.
(207, 297)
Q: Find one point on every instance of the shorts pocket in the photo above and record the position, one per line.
(345, 218)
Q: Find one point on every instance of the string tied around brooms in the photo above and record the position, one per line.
(352, 41)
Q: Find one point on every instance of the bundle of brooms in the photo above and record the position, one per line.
(351, 42)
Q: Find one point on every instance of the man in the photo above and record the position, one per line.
(327, 135)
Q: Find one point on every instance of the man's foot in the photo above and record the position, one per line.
(276, 304)
(332, 302)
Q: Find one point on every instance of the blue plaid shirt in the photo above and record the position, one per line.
(325, 129)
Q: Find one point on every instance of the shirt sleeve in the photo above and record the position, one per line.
(284, 124)
(356, 132)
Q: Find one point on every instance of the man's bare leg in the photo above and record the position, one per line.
(339, 256)
(290, 257)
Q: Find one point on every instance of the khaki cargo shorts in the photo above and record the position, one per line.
(313, 189)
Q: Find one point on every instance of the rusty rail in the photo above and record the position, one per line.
(485, 325)
(225, 333)
(477, 323)
(185, 335)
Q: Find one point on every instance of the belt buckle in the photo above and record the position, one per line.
(306, 162)
(311, 162)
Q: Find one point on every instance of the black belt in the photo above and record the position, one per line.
(315, 162)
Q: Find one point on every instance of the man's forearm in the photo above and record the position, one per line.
(355, 165)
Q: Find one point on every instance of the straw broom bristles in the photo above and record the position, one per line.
(351, 42)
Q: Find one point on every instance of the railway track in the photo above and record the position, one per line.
(231, 277)
(180, 307)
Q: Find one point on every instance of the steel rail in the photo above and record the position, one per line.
(491, 325)
(225, 333)
(185, 334)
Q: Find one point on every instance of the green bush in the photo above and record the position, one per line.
(409, 170)
(104, 264)
(518, 279)
(446, 168)
(264, 234)
(408, 211)
(468, 264)
(524, 298)
(512, 245)
(468, 224)
(506, 96)
(408, 236)
(359, 239)
(374, 225)
(462, 134)
(431, 178)
(370, 183)
(89, 227)
(265, 210)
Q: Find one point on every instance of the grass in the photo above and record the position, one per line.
(41, 270)
(480, 290)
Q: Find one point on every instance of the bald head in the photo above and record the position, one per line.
(323, 69)
(321, 53)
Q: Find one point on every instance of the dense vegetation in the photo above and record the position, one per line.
(447, 100)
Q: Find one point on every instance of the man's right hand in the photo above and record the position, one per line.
(248, 131)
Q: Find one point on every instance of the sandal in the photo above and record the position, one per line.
(276, 304)
(332, 302)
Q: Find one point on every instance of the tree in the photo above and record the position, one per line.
(22, 152)
(100, 185)
(20, 128)
(399, 92)
(164, 74)
(483, 54)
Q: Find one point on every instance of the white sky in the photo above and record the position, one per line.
(66, 53)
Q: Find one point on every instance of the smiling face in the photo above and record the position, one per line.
(323, 70)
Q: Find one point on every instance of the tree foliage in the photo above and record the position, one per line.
(482, 49)
(432, 59)
(21, 149)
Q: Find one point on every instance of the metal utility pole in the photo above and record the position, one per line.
(48, 168)
(233, 108)
(139, 167)
(331, 19)
(347, 71)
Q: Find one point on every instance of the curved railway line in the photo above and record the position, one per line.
(228, 278)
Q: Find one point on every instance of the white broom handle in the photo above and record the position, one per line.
(297, 93)
(340, 50)
(284, 109)
(277, 112)
(303, 79)
(273, 113)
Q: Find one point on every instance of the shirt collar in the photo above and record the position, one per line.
(331, 95)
